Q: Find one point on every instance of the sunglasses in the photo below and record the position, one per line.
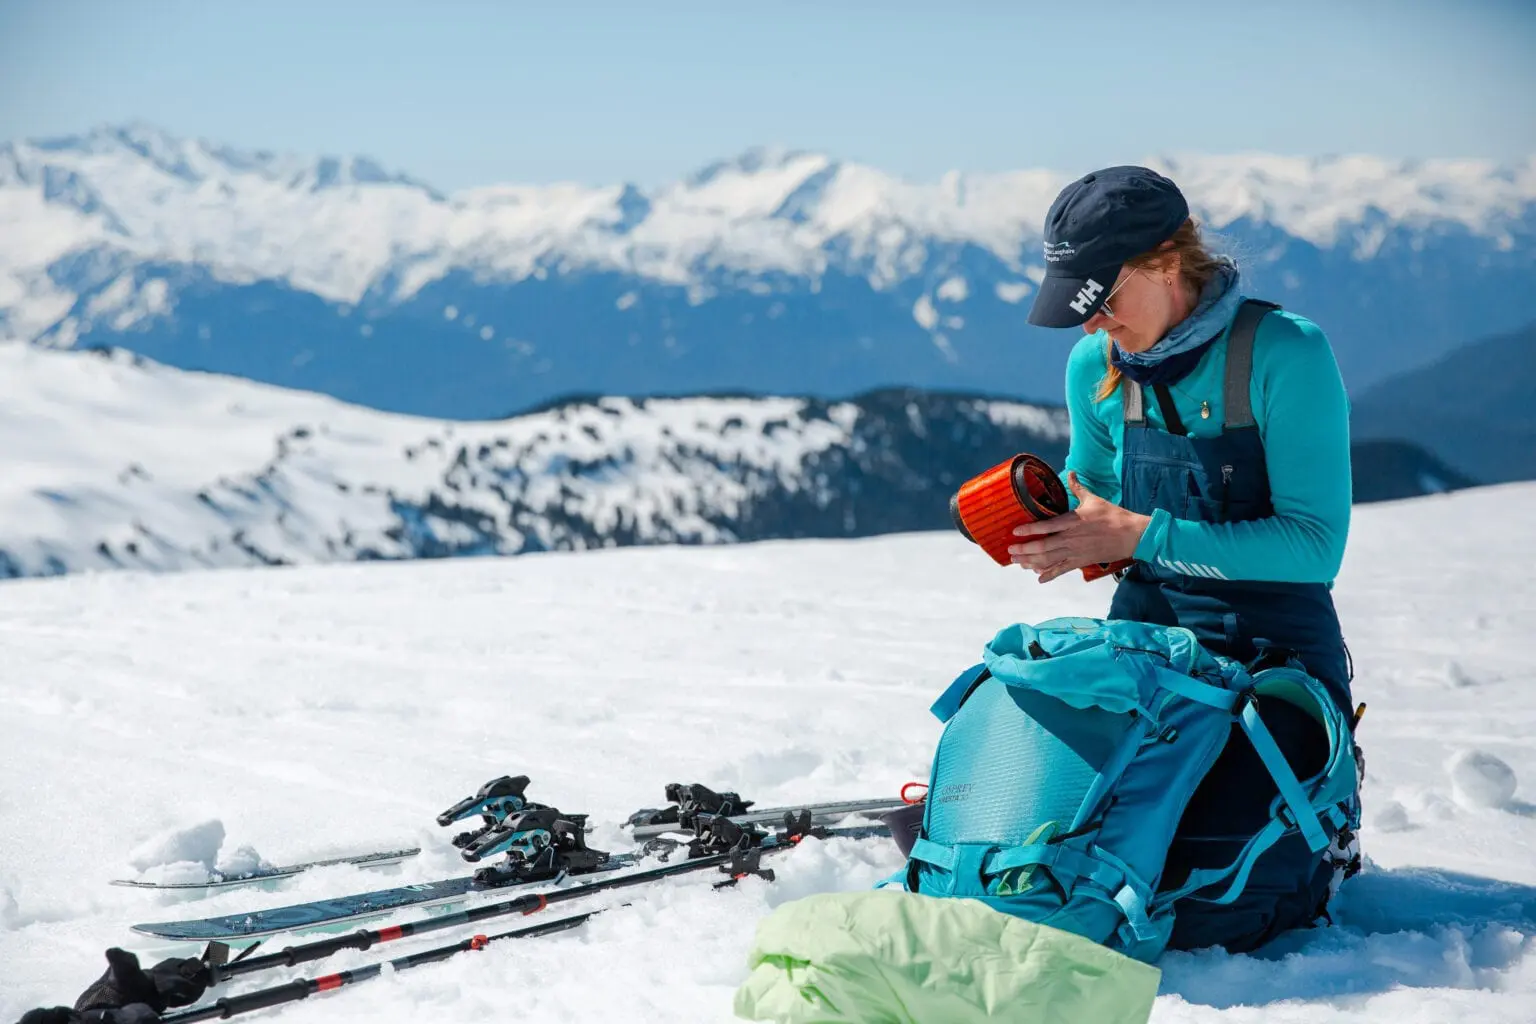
(1104, 306)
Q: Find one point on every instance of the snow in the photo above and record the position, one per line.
(1013, 292)
(953, 289)
(925, 314)
(193, 853)
(194, 844)
(1052, 423)
(340, 707)
(1325, 199)
(1479, 779)
(343, 229)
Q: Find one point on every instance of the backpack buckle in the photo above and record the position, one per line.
(1284, 816)
(1271, 656)
(1245, 698)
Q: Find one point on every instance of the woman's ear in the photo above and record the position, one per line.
(1172, 264)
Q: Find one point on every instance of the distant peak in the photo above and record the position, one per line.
(331, 172)
(194, 160)
(753, 161)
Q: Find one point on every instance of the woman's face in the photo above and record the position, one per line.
(1142, 305)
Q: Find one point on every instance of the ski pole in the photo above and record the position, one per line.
(294, 991)
(738, 862)
(530, 903)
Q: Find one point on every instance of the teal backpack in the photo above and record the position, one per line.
(1068, 756)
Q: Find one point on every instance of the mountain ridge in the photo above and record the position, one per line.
(119, 463)
(1471, 407)
(781, 269)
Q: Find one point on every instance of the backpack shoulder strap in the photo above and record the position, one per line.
(1315, 808)
(1236, 400)
(959, 691)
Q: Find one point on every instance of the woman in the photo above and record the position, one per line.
(1209, 443)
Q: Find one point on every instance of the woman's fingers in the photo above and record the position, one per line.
(1053, 571)
(1046, 527)
(1037, 560)
(1045, 546)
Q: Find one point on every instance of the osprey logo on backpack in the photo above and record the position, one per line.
(1070, 803)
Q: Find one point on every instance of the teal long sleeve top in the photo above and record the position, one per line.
(1302, 412)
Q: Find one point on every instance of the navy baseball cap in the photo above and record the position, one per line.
(1096, 224)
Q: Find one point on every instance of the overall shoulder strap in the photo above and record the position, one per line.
(1172, 421)
(1131, 399)
(1237, 403)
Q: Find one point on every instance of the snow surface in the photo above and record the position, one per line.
(318, 709)
(346, 229)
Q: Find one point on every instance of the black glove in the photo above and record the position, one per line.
(56, 1015)
(174, 982)
(127, 994)
(134, 1013)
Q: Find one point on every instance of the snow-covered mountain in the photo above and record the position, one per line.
(775, 272)
(110, 461)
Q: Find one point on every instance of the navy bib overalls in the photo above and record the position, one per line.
(1224, 479)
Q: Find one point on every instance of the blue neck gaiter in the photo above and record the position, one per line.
(1178, 352)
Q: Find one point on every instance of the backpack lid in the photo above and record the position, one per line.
(1118, 665)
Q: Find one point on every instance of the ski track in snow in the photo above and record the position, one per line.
(330, 709)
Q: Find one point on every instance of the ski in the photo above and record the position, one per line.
(540, 845)
(346, 910)
(689, 799)
(380, 858)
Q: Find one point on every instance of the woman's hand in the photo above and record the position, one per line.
(1096, 531)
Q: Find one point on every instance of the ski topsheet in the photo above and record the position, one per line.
(379, 858)
(345, 909)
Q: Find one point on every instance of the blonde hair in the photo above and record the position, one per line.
(1197, 266)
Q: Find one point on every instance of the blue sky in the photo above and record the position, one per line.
(466, 92)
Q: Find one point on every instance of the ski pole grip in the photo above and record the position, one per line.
(1024, 489)
(229, 1006)
(263, 998)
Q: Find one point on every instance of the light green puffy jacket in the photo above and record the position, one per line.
(889, 956)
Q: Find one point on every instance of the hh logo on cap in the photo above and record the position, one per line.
(1085, 296)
